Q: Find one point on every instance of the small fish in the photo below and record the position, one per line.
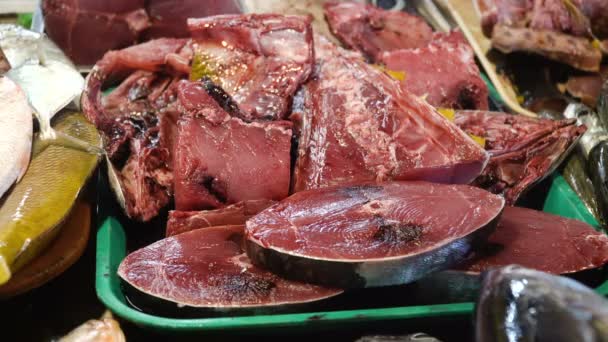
(15, 133)
(31, 214)
(46, 75)
(520, 304)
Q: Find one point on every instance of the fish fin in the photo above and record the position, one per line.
(64, 140)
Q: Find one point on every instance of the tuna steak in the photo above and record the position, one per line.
(541, 241)
(443, 72)
(258, 59)
(522, 150)
(373, 31)
(528, 238)
(356, 124)
(220, 159)
(209, 268)
(371, 235)
(184, 221)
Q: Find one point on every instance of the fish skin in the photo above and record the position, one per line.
(45, 74)
(31, 214)
(15, 133)
(520, 304)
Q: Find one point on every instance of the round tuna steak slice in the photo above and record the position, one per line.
(542, 241)
(529, 238)
(371, 235)
(208, 268)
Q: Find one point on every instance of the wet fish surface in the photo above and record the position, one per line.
(519, 304)
(369, 235)
(523, 150)
(209, 268)
(15, 133)
(45, 74)
(356, 124)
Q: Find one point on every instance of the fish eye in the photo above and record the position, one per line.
(393, 5)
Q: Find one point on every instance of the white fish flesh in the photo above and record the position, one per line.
(15, 133)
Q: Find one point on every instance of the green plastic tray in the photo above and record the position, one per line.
(111, 249)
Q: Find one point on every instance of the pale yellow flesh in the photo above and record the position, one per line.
(39, 203)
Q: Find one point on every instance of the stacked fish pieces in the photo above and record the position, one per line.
(437, 66)
(39, 182)
(204, 121)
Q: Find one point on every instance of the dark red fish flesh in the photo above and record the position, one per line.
(541, 241)
(444, 72)
(258, 59)
(371, 235)
(356, 124)
(208, 268)
(220, 159)
(373, 31)
(234, 214)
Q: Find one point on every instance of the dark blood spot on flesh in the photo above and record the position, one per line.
(222, 98)
(466, 100)
(246, 285)
(237, 239)
(398, 233)
(215, 188)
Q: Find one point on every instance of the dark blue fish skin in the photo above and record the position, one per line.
(519, 304)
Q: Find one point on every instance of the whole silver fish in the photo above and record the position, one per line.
(46, 75)
(520, 304)
(15, 133)
(48, 78)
